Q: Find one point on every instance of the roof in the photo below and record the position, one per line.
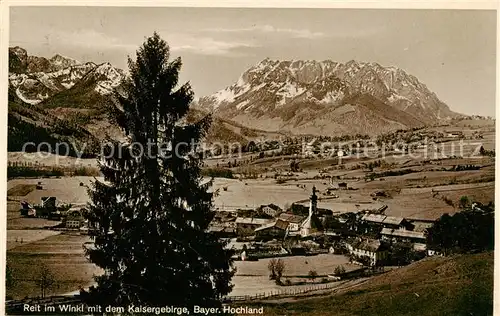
(312, 222)
(278, 224)
(393, 220)
(252, 221)
(377, 218)
(281, 224)
(291, 218)
(383, 219)
(215, 229)
(421, 226)
(372, 245)
(273, 206)
(403, 233)
(220, 229)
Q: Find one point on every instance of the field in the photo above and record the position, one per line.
(413, 187)
(252, 277)
(61, 254)
(459, 285)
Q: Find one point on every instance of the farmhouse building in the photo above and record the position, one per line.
(293, 221)
(222, 231)
(387, 221)
(372, 250)
(74, 219)
(270, 209)
(48, 201)
(400, 235)
(27, 209)
(247, 225)
(276, 229)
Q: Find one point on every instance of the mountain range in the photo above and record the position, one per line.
(63, 99)
(327, 97)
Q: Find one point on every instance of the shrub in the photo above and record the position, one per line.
(313, 274)
(339, 270)
(84, 171)
(217, 173)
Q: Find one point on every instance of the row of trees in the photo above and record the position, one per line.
(471, 230)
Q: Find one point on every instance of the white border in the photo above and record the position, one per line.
(387, 4)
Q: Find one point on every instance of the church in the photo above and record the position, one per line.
(312, 226)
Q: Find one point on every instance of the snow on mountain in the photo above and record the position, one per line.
(295, 92)
(36, 78)
(38, 86)
(109, 78)
(61, 62)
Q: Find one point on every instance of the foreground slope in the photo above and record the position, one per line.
(458, 285)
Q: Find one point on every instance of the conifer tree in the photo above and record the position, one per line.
(152, 211)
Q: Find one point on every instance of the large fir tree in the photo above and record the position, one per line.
(152, 211)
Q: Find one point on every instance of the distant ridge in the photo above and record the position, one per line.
(323, 97)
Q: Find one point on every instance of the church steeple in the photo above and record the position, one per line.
(313, 202)
(311, 224)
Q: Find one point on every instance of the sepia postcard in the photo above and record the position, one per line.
(266, 159)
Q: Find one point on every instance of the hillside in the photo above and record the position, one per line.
(325, 97)
(62, 100)
(459, 285)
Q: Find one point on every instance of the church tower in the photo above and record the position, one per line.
(313, 202)
(311, 225)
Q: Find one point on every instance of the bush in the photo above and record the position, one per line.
(217, 173)
(313, 274)
(17, 171)
(276, 268)
(339, 270)
(86, 172)
(448, 201)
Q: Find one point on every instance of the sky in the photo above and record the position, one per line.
(453, 52)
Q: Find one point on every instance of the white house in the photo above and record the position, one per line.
(293, 221)
(270, 209)
(373, 249)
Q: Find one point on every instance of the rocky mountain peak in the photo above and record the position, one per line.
(35, 79)
(284, 90)
(61, 62)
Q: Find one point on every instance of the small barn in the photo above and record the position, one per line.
(276, 229)
(245, 226)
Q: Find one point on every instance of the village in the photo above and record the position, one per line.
(366, 238)
(297, 219)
